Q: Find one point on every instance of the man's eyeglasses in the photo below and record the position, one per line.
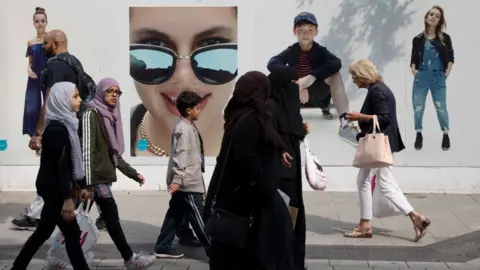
(214, 64)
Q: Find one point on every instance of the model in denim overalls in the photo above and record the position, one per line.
(430, 76)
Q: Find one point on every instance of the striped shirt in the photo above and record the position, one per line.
(303, 65)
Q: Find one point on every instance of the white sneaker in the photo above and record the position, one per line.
(348, 132)
(139, 261)
(54, 263)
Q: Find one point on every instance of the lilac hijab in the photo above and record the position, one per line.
(111, 116)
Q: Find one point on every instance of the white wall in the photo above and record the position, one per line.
(98, 34)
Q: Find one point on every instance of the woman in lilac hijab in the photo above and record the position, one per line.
(101, 133)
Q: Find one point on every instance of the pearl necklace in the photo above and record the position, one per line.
(150, 146)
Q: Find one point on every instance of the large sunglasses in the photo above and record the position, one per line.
(214, 64)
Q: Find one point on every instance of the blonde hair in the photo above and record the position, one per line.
(364, 72)
(442, 23)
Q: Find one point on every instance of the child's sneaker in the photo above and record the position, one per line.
(327, 114)
(172, 254)
(139, 261)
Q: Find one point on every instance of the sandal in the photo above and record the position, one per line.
(420, 226)
(359, 233)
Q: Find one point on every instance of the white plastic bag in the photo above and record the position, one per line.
(382, 206)
(57, 255)
(317, 179)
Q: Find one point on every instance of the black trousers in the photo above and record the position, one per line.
(182, 204)
(50, 217)
(109, 209)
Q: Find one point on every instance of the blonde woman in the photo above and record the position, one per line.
(379, 101)
(431, 62)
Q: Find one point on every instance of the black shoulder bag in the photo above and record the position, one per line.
(225, 226)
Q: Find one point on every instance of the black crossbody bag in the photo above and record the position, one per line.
(225, 226)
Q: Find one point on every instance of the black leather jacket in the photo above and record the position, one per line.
(445, 50)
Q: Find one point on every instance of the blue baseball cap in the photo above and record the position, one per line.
(305, 16)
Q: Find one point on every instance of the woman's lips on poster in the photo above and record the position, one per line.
(170, 98)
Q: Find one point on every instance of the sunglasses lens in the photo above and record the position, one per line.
(150, 66)
(216, 66)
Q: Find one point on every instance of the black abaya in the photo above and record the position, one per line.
(284, 105)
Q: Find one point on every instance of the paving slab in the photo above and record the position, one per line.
(329, 214)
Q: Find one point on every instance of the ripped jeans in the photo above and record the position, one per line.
(435, 81)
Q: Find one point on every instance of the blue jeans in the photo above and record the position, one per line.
(435, 81)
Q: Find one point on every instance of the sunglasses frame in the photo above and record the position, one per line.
(192, 55)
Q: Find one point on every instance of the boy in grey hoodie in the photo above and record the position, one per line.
(184, 178)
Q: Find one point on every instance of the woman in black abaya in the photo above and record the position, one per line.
(284, 103)
(250, 158)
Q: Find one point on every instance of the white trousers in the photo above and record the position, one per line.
(386, 182)
(35, 208)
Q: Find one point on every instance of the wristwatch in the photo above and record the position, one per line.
(38, 134)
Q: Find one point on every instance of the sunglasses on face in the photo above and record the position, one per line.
(214, 64)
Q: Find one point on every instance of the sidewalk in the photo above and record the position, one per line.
(452, 240)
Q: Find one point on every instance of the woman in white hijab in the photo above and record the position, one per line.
(61, 177)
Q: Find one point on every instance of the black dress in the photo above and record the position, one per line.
(249, 187)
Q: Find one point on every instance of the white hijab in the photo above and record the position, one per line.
(59, 108)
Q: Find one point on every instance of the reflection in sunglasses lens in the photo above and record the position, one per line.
(150, 66)
(216, 66)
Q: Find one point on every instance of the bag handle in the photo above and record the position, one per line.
(376, 125)
(85, 206)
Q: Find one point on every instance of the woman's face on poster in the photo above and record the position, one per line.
(183, 48)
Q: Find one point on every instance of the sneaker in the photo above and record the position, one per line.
(419, 141)
(172, 254)
(25, 223)
(100, 223)
(445, 142)
(327, 114)
(57, 264)
(139, 261)
(348, 132)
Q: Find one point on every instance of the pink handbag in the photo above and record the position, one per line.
(373, 150)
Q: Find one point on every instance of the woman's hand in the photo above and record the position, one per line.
(306, 126)
(85, 195)
(68, 210)
(414, 71)
(287, 159)
(353, 116)
(447, 73)
(31, 74)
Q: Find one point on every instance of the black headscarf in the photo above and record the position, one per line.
(285, 93)
(249, 96)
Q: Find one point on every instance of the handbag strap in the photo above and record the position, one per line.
(222, 172)
(376, 125)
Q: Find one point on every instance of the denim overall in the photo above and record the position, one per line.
(430, 76)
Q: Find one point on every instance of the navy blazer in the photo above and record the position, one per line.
(380, 101)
